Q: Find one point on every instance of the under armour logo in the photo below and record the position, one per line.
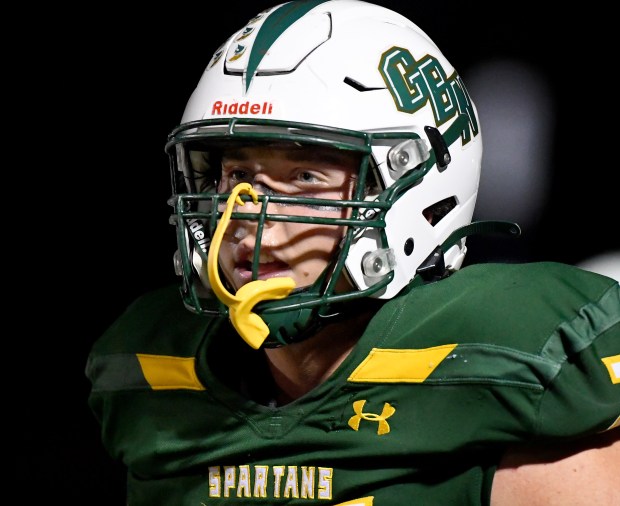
(384, 427)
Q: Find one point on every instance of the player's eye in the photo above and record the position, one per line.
(238, 175)
(307, 177)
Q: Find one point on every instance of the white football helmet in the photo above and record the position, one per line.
(351, 75)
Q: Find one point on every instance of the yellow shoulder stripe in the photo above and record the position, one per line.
(400, 366)
(613, 367)
(614, 425)
(169, 373)
(364, 501)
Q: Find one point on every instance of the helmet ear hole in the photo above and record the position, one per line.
(439, 210)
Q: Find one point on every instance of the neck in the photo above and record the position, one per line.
(298, 368)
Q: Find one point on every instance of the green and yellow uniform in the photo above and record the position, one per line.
(444, 377)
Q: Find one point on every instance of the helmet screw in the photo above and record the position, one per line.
(377, 265)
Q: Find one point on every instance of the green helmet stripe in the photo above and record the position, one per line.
(275, 24)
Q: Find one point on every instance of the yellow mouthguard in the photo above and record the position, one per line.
(250, 326)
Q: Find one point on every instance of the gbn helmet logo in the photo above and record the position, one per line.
(413, 84)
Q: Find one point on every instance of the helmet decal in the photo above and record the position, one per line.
(276, 24)
(239, 50)
(201, 239)
(216, 56)
(247, 108)
(245, 33)
(413, 84)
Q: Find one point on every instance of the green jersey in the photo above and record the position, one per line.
(443, 378)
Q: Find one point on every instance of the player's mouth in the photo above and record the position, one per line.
(268, 269)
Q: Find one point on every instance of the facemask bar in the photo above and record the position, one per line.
(196, 222)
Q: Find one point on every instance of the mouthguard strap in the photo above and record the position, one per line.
(250, 326)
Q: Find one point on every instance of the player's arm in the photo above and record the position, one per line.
(578, 473)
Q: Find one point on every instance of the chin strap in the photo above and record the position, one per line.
(249, 325)
(433, 268)
(481, 227)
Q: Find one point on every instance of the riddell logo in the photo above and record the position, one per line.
(246, 107)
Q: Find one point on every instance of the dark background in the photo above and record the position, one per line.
(110, 84)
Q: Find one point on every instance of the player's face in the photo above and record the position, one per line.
(297, 250)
